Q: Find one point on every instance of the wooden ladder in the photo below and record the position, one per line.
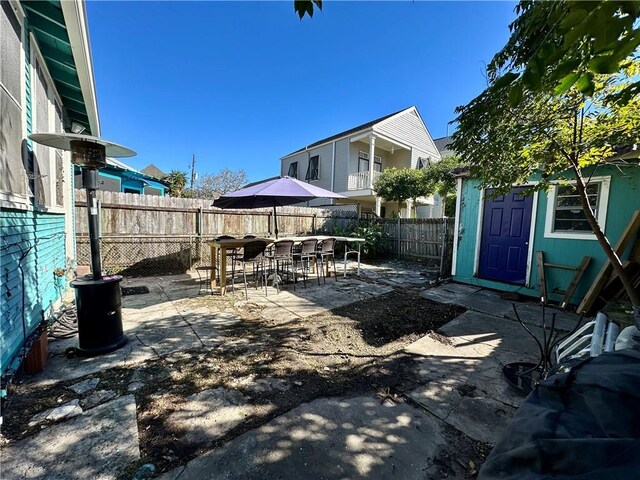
(542, 279)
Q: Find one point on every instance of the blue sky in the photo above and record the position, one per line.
(241, 84)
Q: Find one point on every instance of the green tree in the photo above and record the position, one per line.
(556, 45)
(552, 134)
(177, 181)
(440, 179)
(399, 185)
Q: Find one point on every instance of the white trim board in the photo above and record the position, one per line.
(603, 205)
(456, 226)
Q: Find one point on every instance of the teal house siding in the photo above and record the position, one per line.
(39, 239)
(623, 200)
(36, 231)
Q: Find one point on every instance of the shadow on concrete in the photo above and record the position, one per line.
(270, 404)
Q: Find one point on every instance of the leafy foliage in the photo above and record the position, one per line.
(440, 179)
(400, 184)
(560, 45)
(545, 133)
(306, 7)
(375, 245)
(177, 181)
(563, 94)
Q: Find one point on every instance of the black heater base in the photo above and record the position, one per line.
(99, 315)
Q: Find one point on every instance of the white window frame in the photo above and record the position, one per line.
(603, 204)
(52, 99)
(12, 200)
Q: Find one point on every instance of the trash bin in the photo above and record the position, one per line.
(98, 302)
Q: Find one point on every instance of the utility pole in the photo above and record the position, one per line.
(193, 170)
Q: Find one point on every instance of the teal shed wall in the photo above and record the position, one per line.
(45, 234)
(624, 199)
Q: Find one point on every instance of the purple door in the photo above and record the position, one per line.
(504, 245)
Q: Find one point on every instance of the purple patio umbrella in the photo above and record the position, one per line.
(274, 192)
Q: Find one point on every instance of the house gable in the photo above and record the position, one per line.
(407, 127)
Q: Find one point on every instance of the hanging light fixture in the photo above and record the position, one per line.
(97, 296)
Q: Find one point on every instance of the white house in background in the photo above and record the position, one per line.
(350, 162)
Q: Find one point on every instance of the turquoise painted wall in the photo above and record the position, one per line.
(624, 199)
(42, 235)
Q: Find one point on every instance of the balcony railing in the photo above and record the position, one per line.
(360, 180)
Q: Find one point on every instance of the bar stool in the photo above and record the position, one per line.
(282, 254)
(253, 254)
(307, 253)
(204, 275)
(325, 252)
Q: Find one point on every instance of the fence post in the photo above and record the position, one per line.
(443, 248)
(313, 224)
(399, 237)
(199, 229)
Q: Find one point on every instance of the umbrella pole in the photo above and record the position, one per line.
(275, 221)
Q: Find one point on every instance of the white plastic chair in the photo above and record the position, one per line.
(591, 339)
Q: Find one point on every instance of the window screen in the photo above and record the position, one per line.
(152, 191)
(293, 170)
(363, 161)
(422, 163)
(59, 179)
(568, 214)
(108, 184)
(313, 170)
(13, 177)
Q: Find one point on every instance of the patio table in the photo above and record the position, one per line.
(232, 243)
(222, 246)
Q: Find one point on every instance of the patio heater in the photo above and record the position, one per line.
(97, 296)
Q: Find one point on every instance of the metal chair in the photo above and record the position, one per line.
(204, 275)
(282, 255)
(253, 254)
(325, 252)
(307, 254)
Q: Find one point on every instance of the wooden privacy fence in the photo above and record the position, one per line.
(151, 235)
(429, 239)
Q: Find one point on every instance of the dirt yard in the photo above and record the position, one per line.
(277, 364)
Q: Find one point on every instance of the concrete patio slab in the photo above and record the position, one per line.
(169, 339)
(206, 416)
(531, 314)
(449, 292)
(99, 444)
(483, 419)
(502, 333)
(60, 368)
(354, 438)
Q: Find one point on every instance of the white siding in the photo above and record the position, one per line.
(408, 128)
(416, 153)
(342, 165)
(325, 152)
